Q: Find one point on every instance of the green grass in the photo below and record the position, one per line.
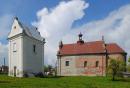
(63, 82)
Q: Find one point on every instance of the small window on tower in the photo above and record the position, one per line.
(67, 63)
(34, 48)
(85, 64)
(14, 47)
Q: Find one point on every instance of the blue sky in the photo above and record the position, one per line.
(26, 9)
(98, 12)
(99, 9)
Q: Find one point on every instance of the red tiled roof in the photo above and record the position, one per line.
(94, 47)
(114, 48)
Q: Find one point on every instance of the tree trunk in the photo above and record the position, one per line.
(113, 78)
(114, 73)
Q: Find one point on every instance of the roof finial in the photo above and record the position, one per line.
(102, 38)
(80, 41)
(60, 44)
(16, 17)
(80, 36)
(44, 40)
(36, 28)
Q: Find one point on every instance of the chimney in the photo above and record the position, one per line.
(4, 61)
(104, 44)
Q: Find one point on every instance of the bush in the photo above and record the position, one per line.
(40, 74)
(25, 75)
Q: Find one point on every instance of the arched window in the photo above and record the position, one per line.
(97, 63)
(85, 63)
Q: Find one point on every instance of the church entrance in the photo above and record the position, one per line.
(14, 71)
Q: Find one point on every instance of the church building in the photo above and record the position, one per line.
(26, 50)
(87, 58)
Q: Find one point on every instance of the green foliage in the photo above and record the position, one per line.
(63, 82)
(116, 67)
(129, 59)
(122, 66)
(128, 67)
(47, 68)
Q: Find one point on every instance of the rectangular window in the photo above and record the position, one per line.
(34, 48)
(97, 63)
(85, 64)
(14, 47)
(67, 63)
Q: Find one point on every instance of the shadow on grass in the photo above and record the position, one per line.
(48, 76)
(4, 81)
(121, 80)
(53, 77)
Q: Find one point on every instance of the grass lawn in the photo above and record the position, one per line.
(63, 82)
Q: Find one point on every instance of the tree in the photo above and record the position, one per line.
(128, 66)
(50, 67)
(129, 59)
(45, 68)
(116, 67)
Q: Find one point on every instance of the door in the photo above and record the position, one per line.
(14, 71)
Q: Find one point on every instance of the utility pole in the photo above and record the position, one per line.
(4, 61)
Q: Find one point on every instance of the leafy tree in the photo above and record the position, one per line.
(122, 66)
(50, 67)
(129, 59)
(128, 66)
(116, 66)
(47, 68)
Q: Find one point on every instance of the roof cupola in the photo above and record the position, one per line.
(80, 41)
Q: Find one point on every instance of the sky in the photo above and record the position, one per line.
(63, 19)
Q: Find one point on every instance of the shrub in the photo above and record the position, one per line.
(40, 74)
(116, 67)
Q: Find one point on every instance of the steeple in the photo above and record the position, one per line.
(80, 41)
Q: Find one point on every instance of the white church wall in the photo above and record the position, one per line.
(16, 29)
(33, 61)
(22, 59)
(15, 56)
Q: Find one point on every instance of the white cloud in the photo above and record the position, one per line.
(115, 27)
(56, 24)
(3, 53)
